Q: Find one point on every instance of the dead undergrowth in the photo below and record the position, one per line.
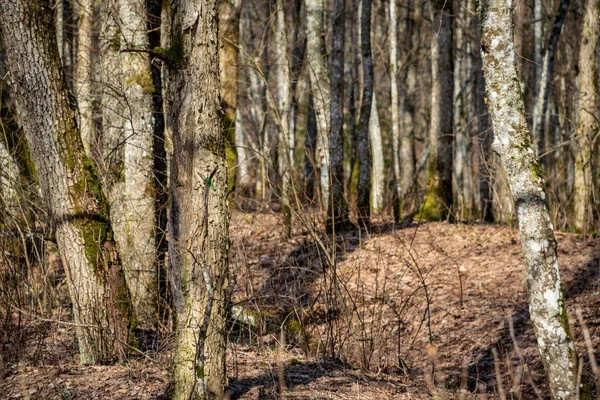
(429, 309)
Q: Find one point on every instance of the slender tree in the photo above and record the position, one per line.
(337, 216)
(282, 110)
(199, 217)
(543, 94)
(377, 170)
(512, 141)
(587, 123)
(67, 177)
(395, 111)
(363, 201)
(317, 66)
(439, 197)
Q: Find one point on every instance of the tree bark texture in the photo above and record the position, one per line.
(67, 177)
(377, 170)
(541, 103)
(512, 142)
(317, 66)
(362, 146)
(587, 123)
(438, 203)
(337, 216)
(84, 73)
(408, 170)
(282, 111)
(199, 216)
(395, 112)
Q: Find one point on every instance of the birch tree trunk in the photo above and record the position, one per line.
(512, 142)
(337, 215)
(67, 177)
(199, 216)
(317, 66)
(282, 111)
(395, 112)
(363, 148)
(438, 202)
(83, 73)
(587, 125)
(541, 102)
(377, 171)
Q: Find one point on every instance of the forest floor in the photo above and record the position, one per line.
(431, 308)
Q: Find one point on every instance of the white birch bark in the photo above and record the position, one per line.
(282, 77)
(395, 111)
(317, 66)
(512, 142)
(84, 73)
(377, 172)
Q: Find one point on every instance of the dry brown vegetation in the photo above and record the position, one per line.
(412, 312)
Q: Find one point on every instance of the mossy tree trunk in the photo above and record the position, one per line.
(67, 177)
(513, 143)
(199, 216)
(134, 218)
(438, 203)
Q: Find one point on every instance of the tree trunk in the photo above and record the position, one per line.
(337, 216)
(83, 73)
(541, 103)
(438, 202)
(317, 65)
(408, 170)
(199, 216)
(311, 148)
(282, 111)
(395, 112)
(67, 177)
(485, 135)
(134, 226)
(363, 149)
(377, 171)
(587, 125)
(512, 142)
(155, 31)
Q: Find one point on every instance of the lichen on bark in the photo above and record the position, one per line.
(513, 144)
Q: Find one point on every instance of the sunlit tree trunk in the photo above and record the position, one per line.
(282, 109)
(83, 72)
(512, 142)
(317, 66)
(543, 93)
(587, 124)
(377, 171)
(199, 216)
(67, 177)
(337, 215)
(363, 148)
(438, 203)
(395, 111)
(134, 226)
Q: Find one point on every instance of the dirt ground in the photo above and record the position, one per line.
(429, 309)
